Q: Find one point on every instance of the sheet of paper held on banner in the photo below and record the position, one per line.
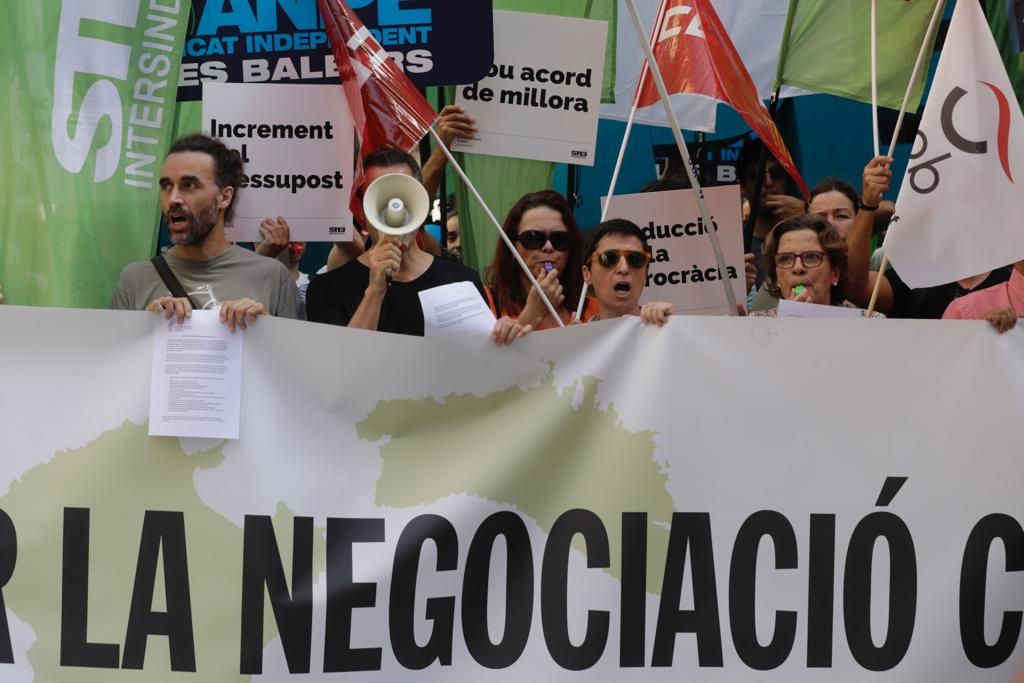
(455, 309)
(196, 385)
(296, 142)
(541, 97)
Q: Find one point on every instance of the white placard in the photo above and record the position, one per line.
(683, 271)
(542, 96)
(455, 309)
(297, 145)
(804, 309)
(197, 377)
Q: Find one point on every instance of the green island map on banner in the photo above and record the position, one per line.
(162, 478)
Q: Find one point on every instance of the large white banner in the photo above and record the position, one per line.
(722, 499)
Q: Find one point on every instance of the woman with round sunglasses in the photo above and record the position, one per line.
(805, 259)
(545, 233)
(615, 268)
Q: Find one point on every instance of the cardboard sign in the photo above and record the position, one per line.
(297, 145)
(683, 271)
(541, 97)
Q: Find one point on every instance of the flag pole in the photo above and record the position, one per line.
(677, 133)
(497, 226)
(874, 74)
(615, 175)
(644, 70)
(939, 6)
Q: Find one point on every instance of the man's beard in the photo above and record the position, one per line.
(199, 226)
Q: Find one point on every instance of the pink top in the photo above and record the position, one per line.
(976, 305)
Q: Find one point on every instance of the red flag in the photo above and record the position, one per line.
(387, 109)
(696, 55)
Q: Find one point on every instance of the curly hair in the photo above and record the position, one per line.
(503, 275)
(228, 170)
(831, 242)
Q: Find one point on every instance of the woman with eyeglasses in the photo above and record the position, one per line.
(805, 259)
(544, 232)
(615, 267)
(835, 201)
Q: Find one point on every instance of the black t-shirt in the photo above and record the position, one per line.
(931, 302)
(334, 296)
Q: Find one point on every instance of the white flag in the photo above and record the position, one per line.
(960, 211)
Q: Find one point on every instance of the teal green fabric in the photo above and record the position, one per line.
(80, 151)
(999, 22)
(827, 48)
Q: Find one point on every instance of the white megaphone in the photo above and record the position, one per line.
(396, 204)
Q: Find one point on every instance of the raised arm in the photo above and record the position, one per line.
(452, 123)
(876, 177)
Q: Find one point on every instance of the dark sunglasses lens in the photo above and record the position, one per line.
(636, 259)
(533, 239)
(559, 240)
(607, 259)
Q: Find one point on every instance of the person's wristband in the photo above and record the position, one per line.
(861, 206)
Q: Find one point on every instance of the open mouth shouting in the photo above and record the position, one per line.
(178, 219)
(622, 289)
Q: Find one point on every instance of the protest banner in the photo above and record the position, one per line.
(581, 501)
(297, 145)
(541, 97)
(275, 41)
(683, 270)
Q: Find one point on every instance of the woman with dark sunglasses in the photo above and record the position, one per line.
(615, 267)
(545, 233)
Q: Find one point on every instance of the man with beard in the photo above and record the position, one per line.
(199, 183)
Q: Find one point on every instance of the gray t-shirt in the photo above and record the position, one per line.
(235, 274)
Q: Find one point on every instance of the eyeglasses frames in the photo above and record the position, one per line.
(609, 258)
(810, 259)
(536, 239)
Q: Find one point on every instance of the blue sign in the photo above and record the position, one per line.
(436, 42)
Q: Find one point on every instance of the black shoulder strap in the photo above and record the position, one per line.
(173, 286)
